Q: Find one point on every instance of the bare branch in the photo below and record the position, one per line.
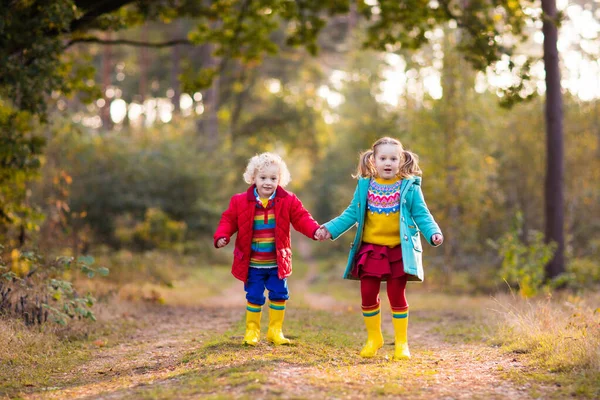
(126, 42)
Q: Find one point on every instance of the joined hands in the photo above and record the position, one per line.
(322, 234)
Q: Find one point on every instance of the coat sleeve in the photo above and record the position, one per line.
(346, 220)
(301, 219)
(422, 216)
(228, 223)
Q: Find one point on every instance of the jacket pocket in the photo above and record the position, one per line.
(416, 240)
(237, 253)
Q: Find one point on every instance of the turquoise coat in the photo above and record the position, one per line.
(414, 218)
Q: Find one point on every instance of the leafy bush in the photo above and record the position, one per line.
(37, 291)
(156, 231)
(20, 150)
(582, 273)
(523, 264)
(116, 180)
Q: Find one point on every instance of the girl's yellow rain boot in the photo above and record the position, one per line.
(253, 314)
(372, 316)
(400, 320)
(276, 315)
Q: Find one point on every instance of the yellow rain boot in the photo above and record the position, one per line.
(276, 314)
(253, 314)
(372, 318)
(400, 320)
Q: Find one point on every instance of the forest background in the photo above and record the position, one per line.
(145, 158)
(122, 145)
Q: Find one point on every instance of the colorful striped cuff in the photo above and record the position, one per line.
(277, 305)
(253, 307)
(371, 311)
(400, 313)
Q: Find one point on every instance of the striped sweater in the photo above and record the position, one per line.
(263, 253)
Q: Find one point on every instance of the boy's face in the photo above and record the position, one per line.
(266, 180)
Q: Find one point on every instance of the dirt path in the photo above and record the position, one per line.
(152, 352)
(152, 355)
(463, 371)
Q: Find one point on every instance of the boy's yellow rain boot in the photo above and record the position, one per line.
(400, 320)
(253, 314)
(276, 314)
(372, 316)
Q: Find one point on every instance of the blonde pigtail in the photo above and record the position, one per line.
(410, 167)
(365, 168)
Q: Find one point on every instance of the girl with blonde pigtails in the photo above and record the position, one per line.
(391, 214)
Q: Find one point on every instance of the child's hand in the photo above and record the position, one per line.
(221, 242)
(319, 234)
(437, 239)
(322, 234)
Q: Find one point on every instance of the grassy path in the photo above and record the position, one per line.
(194, 351)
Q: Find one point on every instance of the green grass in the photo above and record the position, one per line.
(199, 283)
(328, 280)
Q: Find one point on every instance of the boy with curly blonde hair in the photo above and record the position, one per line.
(262, 255)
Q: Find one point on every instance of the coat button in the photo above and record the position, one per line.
(405, 237)
(404, 201)
(402, 218)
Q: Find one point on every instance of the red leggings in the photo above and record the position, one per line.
(369, 290)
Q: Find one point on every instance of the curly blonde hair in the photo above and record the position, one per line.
(263, 160)
(409, 161)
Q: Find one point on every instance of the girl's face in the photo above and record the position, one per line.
(387, 160)
(266, 180)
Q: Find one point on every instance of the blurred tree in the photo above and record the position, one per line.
(107, 67)
(499, 167)
(34, 37)
(457, 85)
(176, 68)
(126, 175)
(357, 123)
(20, 151)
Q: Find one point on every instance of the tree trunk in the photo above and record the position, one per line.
(554, 195)
(208, 123)
(241, 99)
(451, 117)
(106, 83)
(143, 88)
(352, 18)
(176, 68)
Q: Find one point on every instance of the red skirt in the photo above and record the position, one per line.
(378, 261)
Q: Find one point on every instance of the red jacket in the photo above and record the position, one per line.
(239, 217)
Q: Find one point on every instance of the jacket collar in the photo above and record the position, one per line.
(279, 192)
(363, 184)
(412, 180)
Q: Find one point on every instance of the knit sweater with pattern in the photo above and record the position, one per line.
(382, 223)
